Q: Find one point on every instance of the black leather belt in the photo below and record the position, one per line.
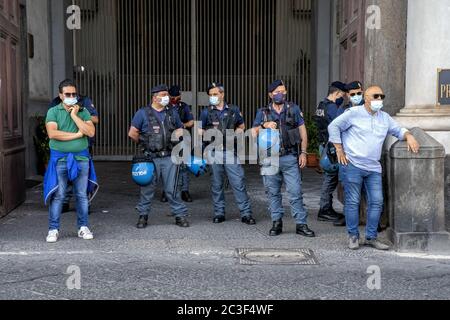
(161, 154)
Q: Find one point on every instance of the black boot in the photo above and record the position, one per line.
(186, 196)
(277, 228)
(340, 223)
(327, 216)
(219, 219)
(303, 230)
(182, 222)
(143, 222)
(164, 198)
(339, 215)
(249, 220)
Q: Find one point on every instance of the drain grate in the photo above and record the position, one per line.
(277, 257)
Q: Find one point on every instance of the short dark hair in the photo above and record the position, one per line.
(66, 83)
(333, 90)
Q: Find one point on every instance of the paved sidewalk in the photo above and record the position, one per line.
(167, 262)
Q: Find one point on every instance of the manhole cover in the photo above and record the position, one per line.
(277, 257)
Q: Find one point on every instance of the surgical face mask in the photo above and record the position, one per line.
(165, 101)
(356, 100)
(279, 98)
(339, 102)
(70, 101)
(214, 100)
(376, 105)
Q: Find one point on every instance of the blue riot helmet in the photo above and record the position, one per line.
(328, 160)
(143, 171)
(269, 139)
(327, 166)
(197, 166)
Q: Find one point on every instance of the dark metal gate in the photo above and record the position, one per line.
(126, 47)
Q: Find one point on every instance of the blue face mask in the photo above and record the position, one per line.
(376, 105)
(279, 98)
(356, 100)
(339, 102)
(70, 101)
(214, 100)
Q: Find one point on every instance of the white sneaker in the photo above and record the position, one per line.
(52, 236)
(85, 233)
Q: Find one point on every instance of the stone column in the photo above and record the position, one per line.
(428, 48)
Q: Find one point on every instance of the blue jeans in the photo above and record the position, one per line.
(290, 173)
(236, 177)
(355, 180)
(166, 170)
(80, 190)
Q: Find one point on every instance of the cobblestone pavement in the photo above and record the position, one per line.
(167, 262)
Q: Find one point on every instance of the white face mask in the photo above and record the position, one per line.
(356, 100)
(376, 105)
(214, 101)
(70, 101)
(165, 101)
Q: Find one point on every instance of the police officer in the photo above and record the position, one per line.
(285, 117)
(327, 111)
(152, 127)
(355, 96)
(85, 103)
(186, 117)
(221, 116)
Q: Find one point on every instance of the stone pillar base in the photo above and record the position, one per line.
(415, 242)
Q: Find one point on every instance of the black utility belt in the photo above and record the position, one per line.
(288, 151)
(160, 154)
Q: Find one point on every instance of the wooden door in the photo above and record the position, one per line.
(12, 147)
(352, 17)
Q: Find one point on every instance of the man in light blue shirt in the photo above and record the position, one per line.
(359, 135)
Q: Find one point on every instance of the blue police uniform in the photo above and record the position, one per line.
(156, 129)
(288, 164)
(356, 85)
(331, 179)
(185, 113)
(229, 118)
(327, 112)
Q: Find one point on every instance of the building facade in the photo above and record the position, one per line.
(116, 50)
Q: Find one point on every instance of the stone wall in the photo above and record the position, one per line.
(447, 191)
(385, 53)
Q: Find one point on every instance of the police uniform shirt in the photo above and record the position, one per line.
(348, 107)
(296, 112)
(140, 120)
(239, 120)
(332, 111)
(188, 117)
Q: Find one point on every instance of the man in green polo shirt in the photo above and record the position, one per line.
(69, 128)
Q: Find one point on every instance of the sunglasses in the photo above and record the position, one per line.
(356, 94)
(379, 96)
(71, 95)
